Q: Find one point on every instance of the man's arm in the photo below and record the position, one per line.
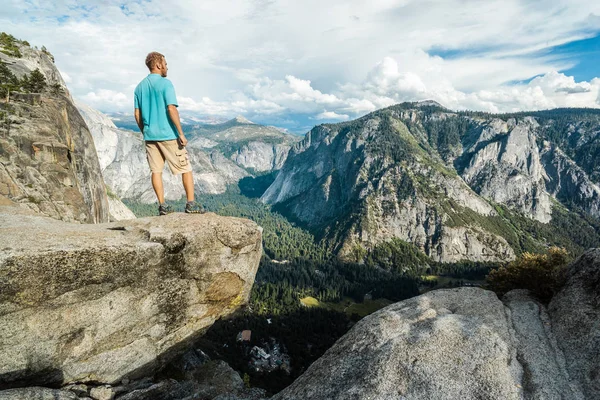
(174, 115)
(138, 119)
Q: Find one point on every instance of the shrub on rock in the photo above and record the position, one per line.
(541, 274)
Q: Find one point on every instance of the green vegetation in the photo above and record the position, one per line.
(572, 230)
(56, 89)
(309, 301)
(111, 194)
(541, 274)
(397, 255)
(392, 142)
(353, 309)
(45, 51)
(32, 83)
(8, 80)
(9, 45)
(445, 134)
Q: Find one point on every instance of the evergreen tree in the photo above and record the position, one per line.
(56, 89)
(8, 81)
(35, 82)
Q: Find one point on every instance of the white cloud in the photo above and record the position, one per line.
(108, 100)
(348, 57)
(331, 115)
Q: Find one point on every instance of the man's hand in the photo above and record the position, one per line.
(182, 141)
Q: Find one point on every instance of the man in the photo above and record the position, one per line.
(158, 119)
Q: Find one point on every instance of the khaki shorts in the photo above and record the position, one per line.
(169, 150)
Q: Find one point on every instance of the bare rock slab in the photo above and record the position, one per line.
(101, 303)
(446, 344)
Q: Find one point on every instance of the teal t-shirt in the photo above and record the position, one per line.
(152, 96)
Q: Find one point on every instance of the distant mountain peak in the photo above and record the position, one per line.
(429, 103)
(241, 120)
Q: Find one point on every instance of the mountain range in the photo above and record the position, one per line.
(457, 185)
(221, 155)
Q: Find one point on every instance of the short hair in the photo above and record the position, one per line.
(153, 58)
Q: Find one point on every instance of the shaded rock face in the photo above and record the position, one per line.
(261, 156)
(575, 313)
(211, 380)
(568, 182)
(466, 344)
(38, 393)
(218, 159)
(48, 161)
(99, 303)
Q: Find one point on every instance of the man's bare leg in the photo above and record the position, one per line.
(188, 184)
(191, 207)
(157, 185)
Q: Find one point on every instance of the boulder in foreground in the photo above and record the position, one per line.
(446, 344)
(100, 303)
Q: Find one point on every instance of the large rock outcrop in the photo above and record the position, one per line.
(467, 344)
(99, 303)
(446, 344)
(48, 161)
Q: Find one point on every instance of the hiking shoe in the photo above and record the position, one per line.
(164, 209)
(194, 208)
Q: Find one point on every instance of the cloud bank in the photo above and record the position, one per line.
(300, 63)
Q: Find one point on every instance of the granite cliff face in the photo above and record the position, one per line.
(433, 178)
(48, 161)
(220, 155)
(467, 344)
(106, 302)
(502, 163)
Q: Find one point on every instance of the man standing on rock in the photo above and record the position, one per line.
(158, 119)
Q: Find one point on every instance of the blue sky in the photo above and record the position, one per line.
(584, 53)
(296, 64)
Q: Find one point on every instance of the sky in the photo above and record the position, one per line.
(296, 64)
